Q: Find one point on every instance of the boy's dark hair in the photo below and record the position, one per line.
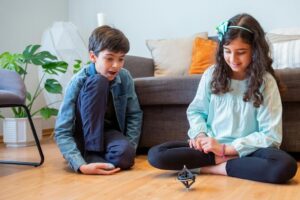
(106, 37)
(260, 64)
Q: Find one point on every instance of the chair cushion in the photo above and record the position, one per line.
(12, 88)
(7, 97)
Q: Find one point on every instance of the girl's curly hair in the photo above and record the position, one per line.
(260, 64)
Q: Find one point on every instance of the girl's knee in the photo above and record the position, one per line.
(284, 170)
(155, 157)
(152, 154)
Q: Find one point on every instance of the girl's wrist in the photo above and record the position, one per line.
(223, 154)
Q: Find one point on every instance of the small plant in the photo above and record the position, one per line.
(77, 66)
(31, 57)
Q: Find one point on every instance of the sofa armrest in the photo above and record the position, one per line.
(139, 66)
(166, 90)
(291, 79)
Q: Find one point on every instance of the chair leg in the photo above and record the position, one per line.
(35, 164)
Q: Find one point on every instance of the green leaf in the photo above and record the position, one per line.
(30, 50)
(42, 58)
(53, 86)
(1, 116)
(28, 96)
(55, 67)
(19, 112)
(12, 62)
(47, 112)
(39, 58)
(77, 66)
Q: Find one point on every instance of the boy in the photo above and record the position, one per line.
(99, 122)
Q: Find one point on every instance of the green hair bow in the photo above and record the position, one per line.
(222, 29)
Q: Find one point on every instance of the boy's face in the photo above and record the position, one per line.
(108, 63)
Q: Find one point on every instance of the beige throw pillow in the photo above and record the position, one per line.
(172, 57)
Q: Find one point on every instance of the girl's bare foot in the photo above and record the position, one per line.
(219, 168)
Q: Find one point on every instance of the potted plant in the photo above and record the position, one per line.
(16, 130)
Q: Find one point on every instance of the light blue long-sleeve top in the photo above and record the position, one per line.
(230, 120)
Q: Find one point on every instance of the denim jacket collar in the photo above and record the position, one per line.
(92, 69)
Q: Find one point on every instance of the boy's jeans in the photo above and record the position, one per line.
(95, 143)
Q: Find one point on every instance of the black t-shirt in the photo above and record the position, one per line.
(110, 118)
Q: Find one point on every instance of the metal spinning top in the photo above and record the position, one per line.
(186, 177)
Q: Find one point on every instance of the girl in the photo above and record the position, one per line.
(236, 116)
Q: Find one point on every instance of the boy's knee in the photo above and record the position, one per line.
(96, 84)
(95, 89)
(125, 157)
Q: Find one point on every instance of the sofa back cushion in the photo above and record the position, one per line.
(166, 90)
(172, 57)
(139, 66)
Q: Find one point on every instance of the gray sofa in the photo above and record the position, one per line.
(164, 101)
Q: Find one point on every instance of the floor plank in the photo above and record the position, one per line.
(53, 180)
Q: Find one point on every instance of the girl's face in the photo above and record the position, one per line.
(108, 63)
(238, 56)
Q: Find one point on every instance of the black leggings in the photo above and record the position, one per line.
(266, 164)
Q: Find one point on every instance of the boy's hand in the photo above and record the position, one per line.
(98, 169)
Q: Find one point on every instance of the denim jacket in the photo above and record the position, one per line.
(127, 108)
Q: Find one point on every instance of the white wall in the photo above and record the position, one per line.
(153, 19)
(22, 22)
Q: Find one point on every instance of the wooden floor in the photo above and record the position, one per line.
(54, 181)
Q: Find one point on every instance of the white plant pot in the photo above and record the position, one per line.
(17, 131)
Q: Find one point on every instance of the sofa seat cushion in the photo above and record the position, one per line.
(166, 90)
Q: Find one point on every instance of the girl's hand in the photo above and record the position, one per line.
(195, 143)
(98, 169)
(209, 144)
